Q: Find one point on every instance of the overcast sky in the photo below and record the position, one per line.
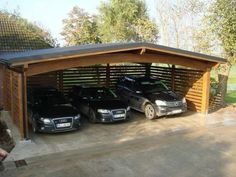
(50, 13)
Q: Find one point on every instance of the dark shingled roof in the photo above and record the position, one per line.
(91, 49)
(15, 37)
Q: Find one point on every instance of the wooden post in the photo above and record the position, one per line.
(173, 77)
(60, 84)
(205, 91)
(24, 104)
(148, 69)
(108, 75)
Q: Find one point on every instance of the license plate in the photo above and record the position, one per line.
(63, 125)
(119, 115)
(176, 111)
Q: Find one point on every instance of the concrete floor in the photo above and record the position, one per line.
(189, 145)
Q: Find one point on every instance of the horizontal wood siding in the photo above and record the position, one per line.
(47, 79)
(187, 82)
(13, 101)
(2, 74)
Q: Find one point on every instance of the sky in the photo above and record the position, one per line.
(50, 13)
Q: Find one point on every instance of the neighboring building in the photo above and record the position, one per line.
(15, 37)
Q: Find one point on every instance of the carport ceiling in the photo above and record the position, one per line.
(46, 60)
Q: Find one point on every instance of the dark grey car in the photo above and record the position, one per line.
(150, 96)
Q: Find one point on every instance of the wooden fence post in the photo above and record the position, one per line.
(108, 75)
(205, 91)
(173, 77)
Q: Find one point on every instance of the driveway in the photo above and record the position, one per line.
(101, 134)
(210, 151)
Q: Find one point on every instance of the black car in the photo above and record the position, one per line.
(49, 111)
(99, 104)
(151, 96)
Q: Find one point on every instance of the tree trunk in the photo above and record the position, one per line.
(223, 79)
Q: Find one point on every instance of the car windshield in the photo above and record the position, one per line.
(152, 86)
(101, 94)
(50, 98)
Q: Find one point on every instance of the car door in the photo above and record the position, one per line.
(135, 97)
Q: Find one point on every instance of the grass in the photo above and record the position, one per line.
(232, 75)
(231, 97)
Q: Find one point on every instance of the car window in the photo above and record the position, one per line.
(129, 84)
(101, 94)
(152, 86)
(49, 98)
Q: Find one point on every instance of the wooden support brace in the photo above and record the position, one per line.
(205, 91)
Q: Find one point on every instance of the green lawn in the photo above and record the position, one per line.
(231, 97)
(232, 75)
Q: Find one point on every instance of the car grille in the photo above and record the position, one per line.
(174, 104)
(118, 112)
(63, 121)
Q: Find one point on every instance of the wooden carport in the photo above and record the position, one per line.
(192, 80)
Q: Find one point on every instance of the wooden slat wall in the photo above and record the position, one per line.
(13, 97)
(119, 71)
(189, 83)
(1, 85)
(186, 82)
(162, 73)
(47, 79)
(97, 75)
(84, 75)
(17, 101)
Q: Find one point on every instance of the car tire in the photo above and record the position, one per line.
(149, 111)
(92, 116)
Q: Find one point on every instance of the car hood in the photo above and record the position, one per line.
(163, 96)
(57, 111)
(108, 104)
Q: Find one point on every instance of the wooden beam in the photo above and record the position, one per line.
(143, 50)
(205, 92)
(44, 67)
(24, 104)
(108, 75)
(60, 81)
(173, 77)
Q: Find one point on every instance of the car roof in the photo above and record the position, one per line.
(141, 78)
(89, 86)
(44, 88)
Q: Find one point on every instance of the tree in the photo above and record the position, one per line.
(80, 28)
(124, 21)
(178, 21)
(34, 27)
(221, 21)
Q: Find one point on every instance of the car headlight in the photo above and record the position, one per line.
(128, 108)
(77, 117)
(183, 100)
(160, 103)
(45, 120)
(103, 111)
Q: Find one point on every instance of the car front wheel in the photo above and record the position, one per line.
(150, 112)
